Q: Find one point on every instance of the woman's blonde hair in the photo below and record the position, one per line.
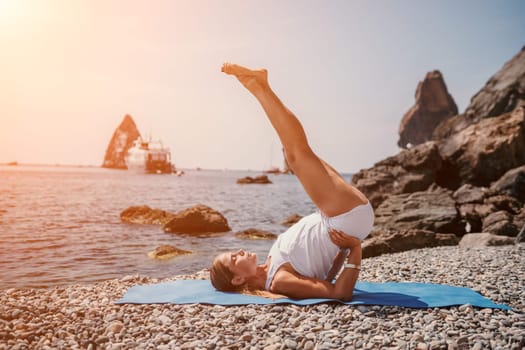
(221, 278)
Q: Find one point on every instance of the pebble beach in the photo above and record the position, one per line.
(85, 316)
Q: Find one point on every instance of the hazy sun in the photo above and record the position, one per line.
(11, 10)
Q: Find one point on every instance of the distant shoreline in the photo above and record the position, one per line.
(91, 166)
(48, 165)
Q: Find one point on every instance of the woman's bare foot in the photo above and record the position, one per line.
(254, 80)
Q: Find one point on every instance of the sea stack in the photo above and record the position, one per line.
(433, 105)
(121, 141)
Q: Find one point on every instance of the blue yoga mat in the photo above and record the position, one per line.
(414, 295)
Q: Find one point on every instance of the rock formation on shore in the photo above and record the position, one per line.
(470, 178)
(121, 141)
(484, 151)
(433, 105)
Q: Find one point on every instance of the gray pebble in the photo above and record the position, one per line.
(291, 344)
(309, 345)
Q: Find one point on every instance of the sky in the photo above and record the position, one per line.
(70, 70)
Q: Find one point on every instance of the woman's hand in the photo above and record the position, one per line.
(342, 240)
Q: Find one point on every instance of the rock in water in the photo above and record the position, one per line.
(253, 233)
(433, 105)
(262, 179)
(166, 251)
(121, 141)
(145, 215)
(292, 219)
(197, 219)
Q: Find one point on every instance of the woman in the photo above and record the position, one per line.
(304, 260)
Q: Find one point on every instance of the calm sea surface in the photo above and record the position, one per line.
(61, 225)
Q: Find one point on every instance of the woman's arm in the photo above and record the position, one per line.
(288, 282)
(345, 283)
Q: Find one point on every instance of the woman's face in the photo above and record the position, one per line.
(241, 263)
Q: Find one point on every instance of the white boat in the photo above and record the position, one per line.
(150, 157)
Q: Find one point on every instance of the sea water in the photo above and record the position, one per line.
(61, 225)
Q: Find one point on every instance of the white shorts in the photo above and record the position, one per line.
(357, 222)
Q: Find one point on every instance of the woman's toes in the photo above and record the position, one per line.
(235, 69)
(226, 67)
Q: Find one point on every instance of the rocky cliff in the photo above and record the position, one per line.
(469, 178)
(121, 141)
(503, 93)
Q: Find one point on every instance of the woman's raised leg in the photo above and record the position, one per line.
(327, 189)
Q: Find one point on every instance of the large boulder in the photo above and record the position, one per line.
(145, 215)
(500, 223)
(504, 202)
(432, 210)
(399, 241)
(196, 220)
(412, 170)
(511, 183)
(433, 105)
(483, 152)
(469, 194)
(121, 141)
(475, 240)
